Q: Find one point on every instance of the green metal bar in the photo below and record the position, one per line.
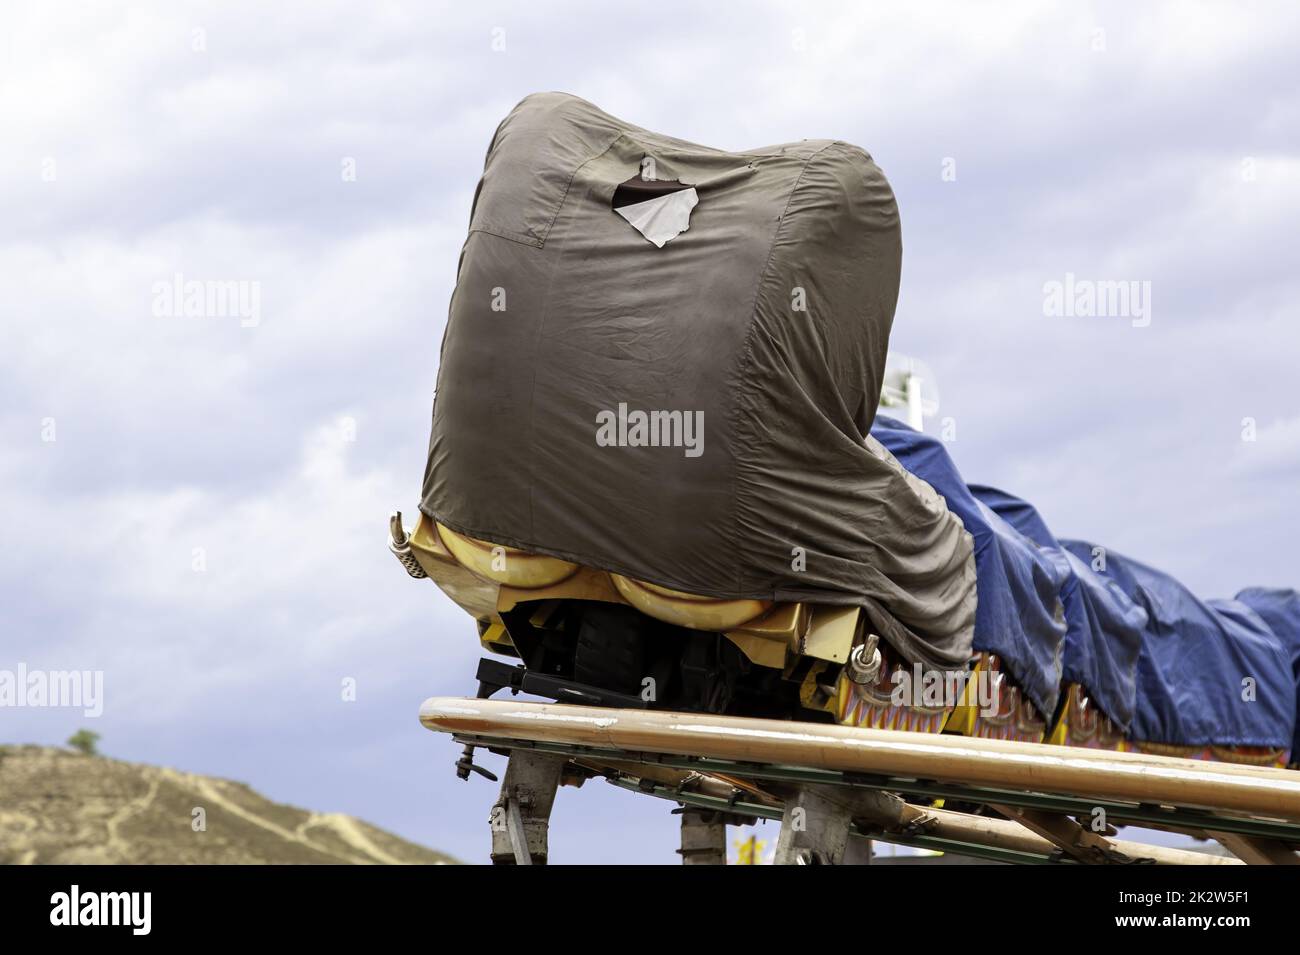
(1178, 817)
(919, 841)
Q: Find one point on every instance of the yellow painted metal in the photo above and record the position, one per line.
(543, 612)
(1006, 764)
(961, 719)
(830, 632)
(472, 593)
(766, 639)
(784, 622)
(761, 650)
(687, 610)
(488, 579)
(585, 584)
(425, 541)
(496, 633)
(505, 565)
(811, 695)
(1059, 735)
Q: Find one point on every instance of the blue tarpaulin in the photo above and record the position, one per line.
(1018, 615)
(1210, 672)
(1166, 666)
(1103, 626)
(1280, 609)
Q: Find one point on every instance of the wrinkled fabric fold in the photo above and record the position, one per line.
(1019, 616)
(768, 318)
(1210, 672)
(1104, 627)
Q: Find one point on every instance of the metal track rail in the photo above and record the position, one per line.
(920, 841)
(1200, 798)
(1179, 819)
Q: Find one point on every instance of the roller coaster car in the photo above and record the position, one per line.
(585, 635)
(589, 636)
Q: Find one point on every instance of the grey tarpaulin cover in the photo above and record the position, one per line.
(759, 334)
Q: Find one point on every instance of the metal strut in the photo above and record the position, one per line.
(522, 813)
(814, 828)
(704, 837)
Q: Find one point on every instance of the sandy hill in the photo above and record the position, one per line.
(58, 806)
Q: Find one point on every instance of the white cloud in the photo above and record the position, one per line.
(225, 164)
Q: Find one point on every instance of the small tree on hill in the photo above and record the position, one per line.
(83, 741)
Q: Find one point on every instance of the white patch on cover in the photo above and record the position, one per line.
(663, 218)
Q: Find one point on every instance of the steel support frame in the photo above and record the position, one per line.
(521, 816)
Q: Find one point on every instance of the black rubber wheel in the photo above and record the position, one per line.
(610, 651)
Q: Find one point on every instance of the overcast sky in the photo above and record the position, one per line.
(197, 506)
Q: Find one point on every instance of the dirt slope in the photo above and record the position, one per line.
(58, 806)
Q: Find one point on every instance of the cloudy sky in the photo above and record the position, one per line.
(196, 506)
